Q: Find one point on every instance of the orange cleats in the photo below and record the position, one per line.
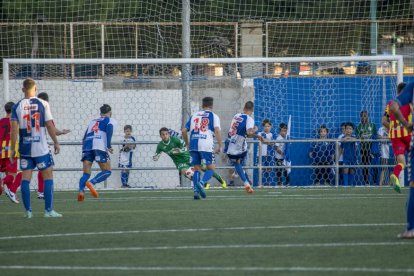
(81, 196)
(91, 188)
(249, 189)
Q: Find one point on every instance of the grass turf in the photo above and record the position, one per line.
(152, 232)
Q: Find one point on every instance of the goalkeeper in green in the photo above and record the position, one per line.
(175, 148)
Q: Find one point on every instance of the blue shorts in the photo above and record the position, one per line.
(235, 158)
(202, 157)
(41, 162)
(95, 155)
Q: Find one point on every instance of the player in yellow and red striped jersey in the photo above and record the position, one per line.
(400, 137)
(12, 179)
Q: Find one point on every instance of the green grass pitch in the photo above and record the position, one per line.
(294, 231)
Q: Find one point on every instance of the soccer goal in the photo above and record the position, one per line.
(152, 93)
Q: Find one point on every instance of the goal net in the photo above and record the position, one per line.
(326, 91)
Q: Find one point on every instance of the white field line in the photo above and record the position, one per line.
(245, 197)
(242, 228)
(207, 247)
(214, 268)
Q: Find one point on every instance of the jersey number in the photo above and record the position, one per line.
(201, 127)
(5, 132)
(36, 118)
(234, 128)
(95, 127)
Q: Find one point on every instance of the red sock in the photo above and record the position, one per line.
(8, 181)
(16, 183)
(40, 182)
(397, 169)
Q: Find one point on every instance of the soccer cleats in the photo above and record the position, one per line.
(91, 188)
(395, 182)
(224, 184)
(40, 195)
(11, 195)
(200, 190)
(52, 214)
(81, 196)
(406, 234)
(196, 196)
(248, 189)
(207, 186)
(28, 214)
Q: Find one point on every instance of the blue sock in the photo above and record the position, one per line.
(25, 189)
(196, 179)
(240, 172)
(207, 175)
(102, 176)
(124, 178)
(410, 209)
(82, 182)
(351, 179)
(247, 176)
(346, 179)
(48, 195)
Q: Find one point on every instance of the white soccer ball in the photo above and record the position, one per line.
(189, 172)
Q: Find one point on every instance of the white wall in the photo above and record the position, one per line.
(75, 103)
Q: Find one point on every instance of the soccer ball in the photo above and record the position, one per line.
(189, 172)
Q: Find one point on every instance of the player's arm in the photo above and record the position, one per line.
(109, 133)
(395, 109)
(13, 139)
(157, 153)
(217, 132)
(62, 132)
(184, 131)
(51, 130)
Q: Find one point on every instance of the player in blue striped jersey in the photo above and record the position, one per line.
(125, 155)
(31, 117)
(96, 144)
(241, 127)
(202, 126)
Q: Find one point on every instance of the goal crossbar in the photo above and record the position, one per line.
(396, 58)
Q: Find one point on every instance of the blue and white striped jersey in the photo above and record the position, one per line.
(238, 132)
(32, 115)
(268, 150)
(98, 136)
(201, 126)
(125, 156)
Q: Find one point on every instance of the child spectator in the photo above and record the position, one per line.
(341, 156)
(322, 154)
(280, 155)
(385, 153)
(268, 152)
(125, 155)
(349, 147)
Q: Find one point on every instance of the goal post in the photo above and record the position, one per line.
(147, 94)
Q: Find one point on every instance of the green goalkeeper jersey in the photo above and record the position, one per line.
(175, 148)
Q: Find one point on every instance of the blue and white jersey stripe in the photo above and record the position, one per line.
(201, 126)
(32, 115)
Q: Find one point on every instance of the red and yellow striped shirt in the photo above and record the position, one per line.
(5, 129)
(396, 129)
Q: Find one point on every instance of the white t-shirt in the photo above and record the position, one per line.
(385, 146)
